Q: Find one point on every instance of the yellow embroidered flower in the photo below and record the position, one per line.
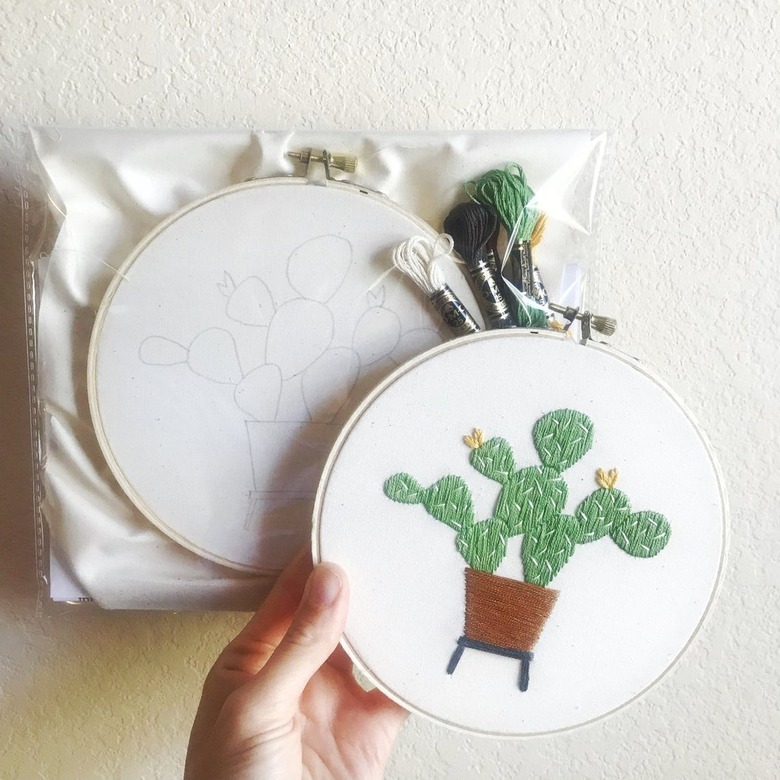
(607, 479)
(476, 440)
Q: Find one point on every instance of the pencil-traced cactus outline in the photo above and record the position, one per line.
(292, 365)
(293, 338)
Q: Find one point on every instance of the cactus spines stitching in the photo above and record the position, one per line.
(608, 511)
(506, 616)
(562, 438)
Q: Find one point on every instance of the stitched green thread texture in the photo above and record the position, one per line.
(483, 544)
(531, 502)
(530, 496)
(599, 512)
(448, 500)
(404, 489)
(644, 535)
(608, 511)
(546, 547)
(494, 459)
(562, 438)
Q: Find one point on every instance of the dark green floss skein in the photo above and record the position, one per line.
(529, 314)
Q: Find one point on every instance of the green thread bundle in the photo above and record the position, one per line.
(509, 193)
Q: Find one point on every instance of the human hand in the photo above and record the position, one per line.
(281, 701)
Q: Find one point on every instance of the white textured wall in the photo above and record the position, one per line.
(689, 266)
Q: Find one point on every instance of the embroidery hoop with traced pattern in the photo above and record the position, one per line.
(619, 622)
(233, 343)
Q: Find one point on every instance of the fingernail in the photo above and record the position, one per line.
(324, 585)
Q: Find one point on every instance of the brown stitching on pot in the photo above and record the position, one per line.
(505, 612)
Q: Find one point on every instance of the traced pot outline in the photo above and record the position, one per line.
(506, 616)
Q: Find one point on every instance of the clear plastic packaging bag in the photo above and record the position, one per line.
(198, 336)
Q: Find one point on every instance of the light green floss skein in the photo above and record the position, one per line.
(509, 193)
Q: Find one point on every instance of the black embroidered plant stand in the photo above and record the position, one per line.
(523, 656)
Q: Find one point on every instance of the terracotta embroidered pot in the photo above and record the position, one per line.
(505, 613)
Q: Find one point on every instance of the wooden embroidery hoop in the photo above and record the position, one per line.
(207, 477)
(596, 654)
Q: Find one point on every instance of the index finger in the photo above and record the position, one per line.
(269, 624)
(249, 651)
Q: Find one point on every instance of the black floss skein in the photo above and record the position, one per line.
(472, 225)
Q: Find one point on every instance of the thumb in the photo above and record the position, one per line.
(313, 635)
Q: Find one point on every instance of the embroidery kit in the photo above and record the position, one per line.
(528, 550)
(187, 383)
(233, 344)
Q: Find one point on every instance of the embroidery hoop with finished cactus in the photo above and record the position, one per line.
(503, 615)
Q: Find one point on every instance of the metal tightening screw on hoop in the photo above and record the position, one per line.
(605, 325)
(343, 162)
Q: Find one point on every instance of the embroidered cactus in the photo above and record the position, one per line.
(531, 503)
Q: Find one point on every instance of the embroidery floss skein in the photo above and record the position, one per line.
(471, 226)
(418, 258)
(509, 193)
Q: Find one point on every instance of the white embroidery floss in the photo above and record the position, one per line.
(418, 257)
